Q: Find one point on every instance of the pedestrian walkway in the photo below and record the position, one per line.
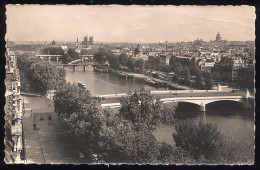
(51, 143)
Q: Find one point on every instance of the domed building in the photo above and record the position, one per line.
(218, 37)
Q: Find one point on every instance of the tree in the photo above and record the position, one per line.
(73, 54)
(177, 67)
(141, 107)
(111, 137)
(114, 62)
(123, 59)
(66, 58)
(199, 81)
(195, 70)
(53, 51)
(140, 64)
(69, 99)
(131, 64)
(186, 76)
(202, 140)
(208, 79)
(102, 56)
(44, 76)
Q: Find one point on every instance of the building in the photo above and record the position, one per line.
(164, 60)
(91, 41)
(85, 40)
(14, 149)
(77, 46)
(207, 64)
(218, 37)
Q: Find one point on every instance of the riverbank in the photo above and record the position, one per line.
(160, 82)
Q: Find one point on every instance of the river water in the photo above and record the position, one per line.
(230, 118)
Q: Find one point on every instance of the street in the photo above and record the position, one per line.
(51, 143)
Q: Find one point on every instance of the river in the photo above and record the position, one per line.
(230, 118)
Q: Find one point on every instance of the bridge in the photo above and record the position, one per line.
(94, 64)
(198, 97)
(83, 57)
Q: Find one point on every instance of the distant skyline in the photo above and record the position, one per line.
(129, 23)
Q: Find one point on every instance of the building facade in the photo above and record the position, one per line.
(14, 149)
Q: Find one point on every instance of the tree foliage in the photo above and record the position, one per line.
(202, 140)
(42, 75)
(69, 99)
(102, 55)
(207, 79)
(53, 50)
(123, 59)
(141, 107)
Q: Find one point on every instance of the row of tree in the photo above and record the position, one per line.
(118, 62)
(127, 135)
(40, 75)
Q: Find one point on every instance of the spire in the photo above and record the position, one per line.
(77, 39)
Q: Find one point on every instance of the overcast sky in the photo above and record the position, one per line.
(129, 23)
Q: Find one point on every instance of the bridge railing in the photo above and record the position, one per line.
(161, 92)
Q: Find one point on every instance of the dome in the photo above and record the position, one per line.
(218, 37)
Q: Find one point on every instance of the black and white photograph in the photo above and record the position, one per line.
(115, 84)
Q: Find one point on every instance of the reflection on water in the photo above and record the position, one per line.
(229, 117)
(103, 83)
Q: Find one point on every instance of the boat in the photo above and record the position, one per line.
(82, 85)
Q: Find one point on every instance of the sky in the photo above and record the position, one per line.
(129, 23)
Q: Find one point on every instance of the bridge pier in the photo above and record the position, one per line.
(49, 59)
(202, 107)
(74, 68)
(85, 68)
(57, 59)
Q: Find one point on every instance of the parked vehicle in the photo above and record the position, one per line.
(36, 127)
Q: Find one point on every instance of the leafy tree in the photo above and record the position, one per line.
(111, 137)
(208, 79)
(114, 62)
(177, 67)
(187, 76)
(131, 64)
(202, 140)
(69, 99)
(141, 107)
(73, 54)
(123, 59)
(216, 75)
(140, 64)
(199, 81)
(44, 76)
(195, 70)
(53, 51)
(102, 56)
(66, 58)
